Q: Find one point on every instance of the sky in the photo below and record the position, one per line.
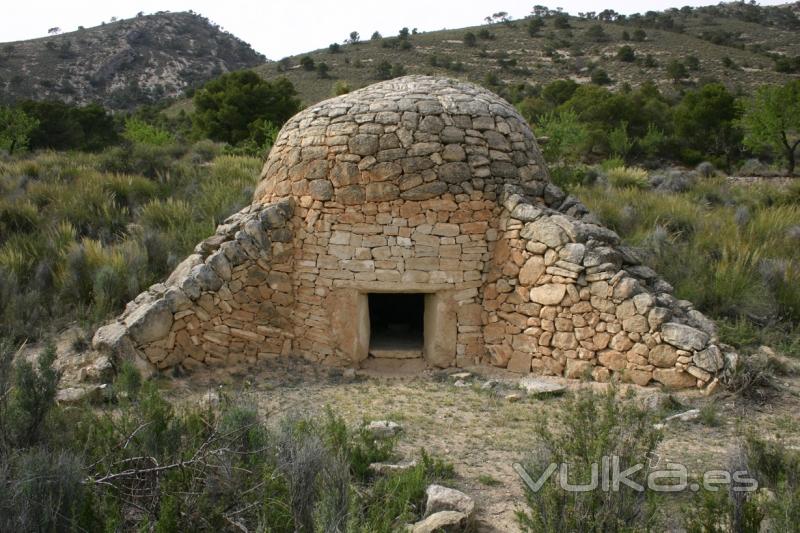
(282, 28)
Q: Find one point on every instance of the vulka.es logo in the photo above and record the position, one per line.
(608, 475)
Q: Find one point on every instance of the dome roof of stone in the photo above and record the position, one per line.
(411, 138)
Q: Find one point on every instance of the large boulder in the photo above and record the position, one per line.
(710, 359)
(684, 337)
(150, 322)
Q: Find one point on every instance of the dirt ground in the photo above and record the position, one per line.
(480, 431)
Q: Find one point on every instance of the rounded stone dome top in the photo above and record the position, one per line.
(410, 138)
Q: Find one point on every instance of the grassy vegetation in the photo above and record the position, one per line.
(589, 428)
(738, 246)
(81, 234)
(592, 426)
(140, 463)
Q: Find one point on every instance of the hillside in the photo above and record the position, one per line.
(733, 43)
(122, 64)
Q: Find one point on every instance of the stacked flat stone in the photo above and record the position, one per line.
(421, 184)
(227, 303)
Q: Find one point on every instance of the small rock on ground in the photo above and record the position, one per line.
(446, 499)
(388, 468)
(384, 429)
(442, 521)
(73, 395)
(686, 416)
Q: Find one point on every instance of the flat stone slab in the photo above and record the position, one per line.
(535, 386)
(397, 353)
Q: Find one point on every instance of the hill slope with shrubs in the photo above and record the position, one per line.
(124, 63)
(738, 44)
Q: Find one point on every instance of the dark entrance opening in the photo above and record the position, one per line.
(396, 325)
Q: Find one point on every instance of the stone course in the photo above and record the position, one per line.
(419, 184)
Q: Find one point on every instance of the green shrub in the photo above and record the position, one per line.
(26, 400)
(307, 62)
(709, 415)
(150, 465)
(600, 77)
(41, 490)
(566, 136)
(87, 235)
(590, 427)
(139, 131)
(775, 506)
(626, 54)
(128, 381)
(341, 87)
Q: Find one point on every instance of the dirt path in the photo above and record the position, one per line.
(478, 430)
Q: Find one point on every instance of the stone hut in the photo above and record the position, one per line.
(412, 223)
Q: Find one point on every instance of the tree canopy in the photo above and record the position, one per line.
(234, 107)
(15, 128)
(62, 126)
(772, 119)
(706, 120)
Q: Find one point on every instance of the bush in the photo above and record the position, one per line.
(591, 427)
(672, 181)
(42, 491)
(341, 87)
(25, 398)
(727, 270)
(622, 177)
(398, 498)
(596, 33)
(566, 136)
(600, 77)
(561, 21)
(138, 131)
(152, 466)
(626, 54)
(307, 62)
(705, 169)
(775, 506)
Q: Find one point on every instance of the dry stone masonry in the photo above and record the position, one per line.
(430, 187)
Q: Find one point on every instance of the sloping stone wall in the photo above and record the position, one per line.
(563, 297)
(227, 303)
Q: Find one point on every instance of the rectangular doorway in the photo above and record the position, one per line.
(397, 325)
